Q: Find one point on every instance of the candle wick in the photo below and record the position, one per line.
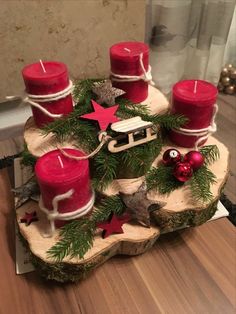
(126, 49)
(60, 161)
(195, 87)
(41, 63)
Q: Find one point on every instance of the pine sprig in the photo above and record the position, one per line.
(168, 121)
(77, 237)
(139, 158)
(161, 178)
(82, 92)
(105, 167)
(211, 153)
(200, 184)
(27, 158)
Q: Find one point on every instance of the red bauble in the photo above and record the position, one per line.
(195, 158)
(183, 171)
(171, 157)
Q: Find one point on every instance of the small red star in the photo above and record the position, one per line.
(29, 217)
(114, 225)
(104, 116)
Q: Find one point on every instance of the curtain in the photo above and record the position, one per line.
(187, 39)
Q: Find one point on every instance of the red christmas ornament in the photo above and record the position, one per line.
(114, 225)
(171, 157)
(195, 158)
(29, 218)
(104, 116)
(183, 171)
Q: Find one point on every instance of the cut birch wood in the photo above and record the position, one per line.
(38, 144)
(178, 211)
(135, 240)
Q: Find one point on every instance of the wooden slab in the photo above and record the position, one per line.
(135, 240)
(38, 144)
(180, 209)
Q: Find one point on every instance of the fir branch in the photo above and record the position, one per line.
(200, 184)
(82, 92)
(108, 205)
(77, 237)
(211, 153)
(138, 159)
(168, 121)
(127, 109)
(27, 158)
(104, 169)
(162, 180)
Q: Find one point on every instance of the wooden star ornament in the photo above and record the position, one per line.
(106, 92)
(29, 218)
(139, 206)
(104, 116)
(113, 225)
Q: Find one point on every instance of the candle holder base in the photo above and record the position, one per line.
(179, 211)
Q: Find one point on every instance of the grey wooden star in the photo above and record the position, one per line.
(106, 93)
(139, 206)
(28, 191)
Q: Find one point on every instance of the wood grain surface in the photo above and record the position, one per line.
(190, 271)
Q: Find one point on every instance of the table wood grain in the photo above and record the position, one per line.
(189, 271)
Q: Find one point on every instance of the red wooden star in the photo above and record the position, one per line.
(29, 217)
(114, 225)
(104, 116)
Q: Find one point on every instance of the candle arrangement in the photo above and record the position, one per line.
(109, 180)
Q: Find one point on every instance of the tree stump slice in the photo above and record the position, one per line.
(39, 144)
(135, 240)
(180, 209)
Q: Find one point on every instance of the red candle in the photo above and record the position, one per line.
(194, 99)
(58, 174)
(125, 61)
(44, 79)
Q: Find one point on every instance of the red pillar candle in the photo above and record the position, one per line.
(194, 99)
(50, 78)
(125, 61)
(58, 174)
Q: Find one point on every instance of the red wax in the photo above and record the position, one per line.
(37, 82)
(126, 62)
(54, 179)
(196, 106)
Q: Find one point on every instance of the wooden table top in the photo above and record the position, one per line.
(189, 271)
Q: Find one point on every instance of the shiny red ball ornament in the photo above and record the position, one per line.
(195, 158)
(171, 157)
(183, 171)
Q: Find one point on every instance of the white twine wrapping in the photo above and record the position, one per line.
(33, 100)
(146, 76)
(53, 215)
(204, 133)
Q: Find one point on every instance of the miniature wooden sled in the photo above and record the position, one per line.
(134, 131)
